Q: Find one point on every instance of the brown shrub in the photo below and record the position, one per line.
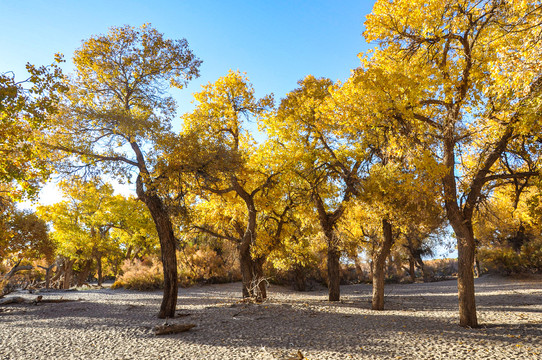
(203, 264)
(146, 274)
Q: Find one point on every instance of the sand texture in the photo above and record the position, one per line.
(421, 322)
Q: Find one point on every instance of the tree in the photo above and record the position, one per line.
(24, 107)
(92, 224)
(117, 116)
(463, 77)
(507, 230)
(230, 170)
(324, 163)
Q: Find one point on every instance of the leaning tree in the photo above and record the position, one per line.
(117, 115)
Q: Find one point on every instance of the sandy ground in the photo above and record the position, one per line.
(420, 323)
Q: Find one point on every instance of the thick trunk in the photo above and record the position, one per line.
(327, 223)
(168, 254)
(333, 257)
(465, 276)
(300, 283)
(254, 284)
(67, 269)
(164, 228)
(48, 274)
(262, 283)
(84, 273)
(359, 270)
(379, 263)
(245, 260)
(333, 273)
(426, 275)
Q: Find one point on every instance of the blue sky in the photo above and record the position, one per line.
(275, 42)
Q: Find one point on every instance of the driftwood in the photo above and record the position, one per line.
(15, 269)
(4, 281)
(48, 270)
(38, 300)
(172, 328)
(12, 300)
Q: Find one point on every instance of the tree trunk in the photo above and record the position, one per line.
(333, 272)
(254, 285)
(67, 268)
(300, 283)
(461, 222)
(411, 268)
(465, 282)
(99, 266)
(164, 229)
(245, 260)
(359, 270)
(262, 283)
(379, 263)
(85, 272)
(48, 270)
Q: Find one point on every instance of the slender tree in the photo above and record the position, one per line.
(305, 134)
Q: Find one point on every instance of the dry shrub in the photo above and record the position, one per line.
(203, 264)
(144, 274)
(506, 261)
(441, 269)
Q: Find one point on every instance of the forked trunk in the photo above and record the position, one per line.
(461, 221)
(379, 264)
(48, 275)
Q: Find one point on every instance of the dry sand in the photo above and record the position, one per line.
(421, 322)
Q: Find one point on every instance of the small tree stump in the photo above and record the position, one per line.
(172, 328)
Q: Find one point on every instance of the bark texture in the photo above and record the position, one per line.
(460, 220)
(327, 223)
(379, 264)
(333, 273)
(168, 254)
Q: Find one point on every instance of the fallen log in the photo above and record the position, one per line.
(40, 300)
(12, 300)
(172, 328)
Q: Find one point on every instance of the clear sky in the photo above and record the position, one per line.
(275, 42)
